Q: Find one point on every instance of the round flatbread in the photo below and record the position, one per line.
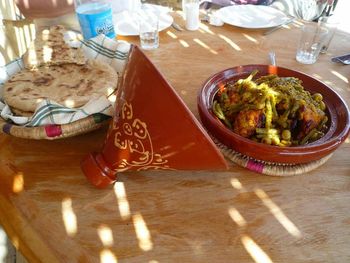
(50, 48)
(18, 112)
(70, 85)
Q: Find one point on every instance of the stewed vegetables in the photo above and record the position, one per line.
(272, 110)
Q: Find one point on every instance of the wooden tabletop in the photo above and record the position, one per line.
(52, 213)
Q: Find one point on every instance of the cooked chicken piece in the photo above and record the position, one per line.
(309, 120)
(247, 121)
(234, 96)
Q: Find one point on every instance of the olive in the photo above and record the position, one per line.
(317, 97)
(322, 105)
(286, 135)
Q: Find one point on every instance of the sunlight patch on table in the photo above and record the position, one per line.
(184, 43)
(153, 261)
(230, 42)
(18, 183)
(205, 29)
(236, 184)
(69, 217)
(123, 204)
(202, 44)
(237, 217)
(254, 250)
(184, 92)
(340, 76)
(278, 213)
(107, 256)
(106, 235)
(171, 34)
(250, 38)
(347, 140)
(142, 233)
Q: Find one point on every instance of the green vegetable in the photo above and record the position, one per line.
(218, 113)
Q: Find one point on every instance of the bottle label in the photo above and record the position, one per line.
(95, 20)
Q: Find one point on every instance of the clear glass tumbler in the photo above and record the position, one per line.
(331, 24)
(313, 37)
(149, 31)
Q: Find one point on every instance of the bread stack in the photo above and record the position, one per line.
(55, 71)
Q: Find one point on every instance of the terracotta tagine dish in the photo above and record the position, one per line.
(152, 129)
(336, 110)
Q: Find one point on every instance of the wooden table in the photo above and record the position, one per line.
(52, 214)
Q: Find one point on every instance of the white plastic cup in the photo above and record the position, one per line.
(191, 10)
(313, 37)
(149, 32)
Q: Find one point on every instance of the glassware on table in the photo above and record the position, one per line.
(149, 31)
(95, 18)
(331, 24)
(191, 12)
(313, 37)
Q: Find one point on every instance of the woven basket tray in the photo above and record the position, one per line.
(52, 132)
(266, 168)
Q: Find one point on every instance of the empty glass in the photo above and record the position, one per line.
(331, 24)
(312, 39)
(149, 31)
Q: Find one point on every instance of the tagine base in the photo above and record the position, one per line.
(269, 168)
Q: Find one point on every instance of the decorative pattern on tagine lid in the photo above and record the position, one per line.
(152, 129)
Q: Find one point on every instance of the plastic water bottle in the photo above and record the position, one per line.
(95, 18)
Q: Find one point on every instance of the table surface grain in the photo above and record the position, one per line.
(52, 214)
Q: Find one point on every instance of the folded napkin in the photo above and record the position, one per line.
(100, 48)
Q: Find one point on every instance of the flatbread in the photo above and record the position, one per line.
(18, 112)
(71, 85)
(50, 48)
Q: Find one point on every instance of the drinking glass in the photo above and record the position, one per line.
(313, 37)
(331, 24)
(149, 31)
